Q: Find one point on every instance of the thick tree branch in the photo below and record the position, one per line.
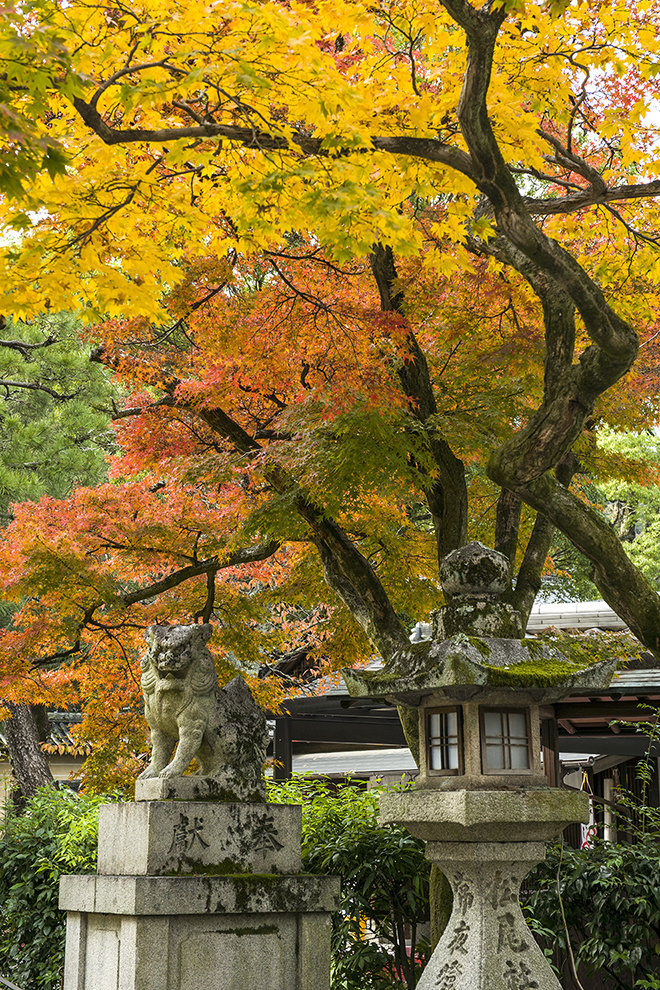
(620, 583)
(528, 581)
(347, 571)
(570, 390)
(249, 137)
(574, 202)
(25, 349)
(612, 335)
(571, 394)
(246, 555)
(507, 523)
(574, 163)
(447, 497)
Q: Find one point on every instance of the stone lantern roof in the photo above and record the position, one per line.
(478, 646)
(468, 666)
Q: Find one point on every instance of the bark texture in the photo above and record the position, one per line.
(28, 762)
(446, 495)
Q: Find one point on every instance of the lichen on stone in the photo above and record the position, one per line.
(555, 660)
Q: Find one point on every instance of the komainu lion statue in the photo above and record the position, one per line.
(186, 708)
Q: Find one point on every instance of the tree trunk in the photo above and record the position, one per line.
(29, 763)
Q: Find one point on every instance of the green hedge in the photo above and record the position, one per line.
(56, 834)
(610, 896)
(385, 881)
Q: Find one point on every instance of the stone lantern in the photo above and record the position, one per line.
(482, 802)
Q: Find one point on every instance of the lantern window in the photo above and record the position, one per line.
(444, 741)
(505, 740)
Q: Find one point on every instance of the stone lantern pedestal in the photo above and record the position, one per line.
(485, 843)
(482, 803)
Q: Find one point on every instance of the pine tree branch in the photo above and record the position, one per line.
(37, 387)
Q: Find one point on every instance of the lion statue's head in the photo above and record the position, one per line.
(177, 658)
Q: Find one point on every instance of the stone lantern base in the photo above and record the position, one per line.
(487, 944)
(485, 842)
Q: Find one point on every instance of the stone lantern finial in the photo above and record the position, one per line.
(475, 581)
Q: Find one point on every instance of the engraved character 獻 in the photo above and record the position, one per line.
(184, 835)
(180, 835)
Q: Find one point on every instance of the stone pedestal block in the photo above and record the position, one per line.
(198, 933)
(198, 895)
(158, 837)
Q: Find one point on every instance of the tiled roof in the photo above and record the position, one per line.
(573, 615)
(60, 741)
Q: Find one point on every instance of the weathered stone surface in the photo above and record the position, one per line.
(185, 708)
(487, 945)
(161, 837)
(191, 788)
(474, 580)
(472, 667)
(198, 895)
(475, 571)
(272, 951)
(219, 960)
(479, 618)
(533, 814)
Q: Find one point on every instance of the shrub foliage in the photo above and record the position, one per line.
(56, 834)
(385, 883)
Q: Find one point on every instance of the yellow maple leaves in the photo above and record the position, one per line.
(227, 125)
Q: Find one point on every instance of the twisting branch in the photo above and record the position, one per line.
(528, 581)
(620, 583)
(211, 566)
(247, 555)
(347, 571)
(523, 464)
(447, 496)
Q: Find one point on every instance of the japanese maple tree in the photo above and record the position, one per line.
(374, 274)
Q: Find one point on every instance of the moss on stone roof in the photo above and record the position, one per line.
(553, 661)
